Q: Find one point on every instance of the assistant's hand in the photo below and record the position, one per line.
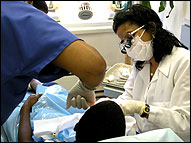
(31, 100)
(132, 106)
(81, 97)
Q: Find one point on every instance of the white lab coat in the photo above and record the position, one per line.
(168, 93)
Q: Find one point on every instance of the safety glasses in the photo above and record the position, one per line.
(126, 41)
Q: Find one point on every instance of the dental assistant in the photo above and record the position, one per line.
(157, 92)
(33, 45)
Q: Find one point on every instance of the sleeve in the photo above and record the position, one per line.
(30, 41)
(128, 93)
(177, 116)
(34, 40)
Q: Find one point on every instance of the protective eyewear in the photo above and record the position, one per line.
(126, 41)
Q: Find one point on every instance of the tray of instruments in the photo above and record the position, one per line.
(117, 75)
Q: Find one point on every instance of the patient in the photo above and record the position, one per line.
(101, 121)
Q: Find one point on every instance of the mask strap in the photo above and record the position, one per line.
(137, 29)
(142, 33)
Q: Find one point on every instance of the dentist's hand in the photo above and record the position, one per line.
(132, 106)
(81, 97)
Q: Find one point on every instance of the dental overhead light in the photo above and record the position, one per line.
(85, 11)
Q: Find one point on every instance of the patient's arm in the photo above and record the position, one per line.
(25, 130)
(34, 83)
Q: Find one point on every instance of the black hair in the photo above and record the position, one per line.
(41, 5)
(163, 40)
(102, 121)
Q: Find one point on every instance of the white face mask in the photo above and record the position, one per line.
(140, 50)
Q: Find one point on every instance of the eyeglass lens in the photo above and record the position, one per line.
(126, 42)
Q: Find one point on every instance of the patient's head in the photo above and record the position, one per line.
(102, 121)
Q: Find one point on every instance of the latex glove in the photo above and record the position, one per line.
(81, 97)
(132, 106)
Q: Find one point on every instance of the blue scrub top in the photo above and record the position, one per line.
(30, 40)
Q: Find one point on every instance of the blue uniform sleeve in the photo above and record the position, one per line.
(30, 40)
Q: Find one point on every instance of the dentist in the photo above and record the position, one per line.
(157, 92)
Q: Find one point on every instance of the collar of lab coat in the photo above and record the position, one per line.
(165, 63)
(145, 74)
(164, 68)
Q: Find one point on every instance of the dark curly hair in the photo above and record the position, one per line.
(41, 5)
(141, 15)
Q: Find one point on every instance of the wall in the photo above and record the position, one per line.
(180, 11)
(106, 42)
(107, 45)
(67, 9)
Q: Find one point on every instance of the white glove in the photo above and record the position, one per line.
(132, 106)
(81, 97)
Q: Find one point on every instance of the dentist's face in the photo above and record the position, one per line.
(128, 28)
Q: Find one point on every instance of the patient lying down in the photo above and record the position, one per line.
(102, 121)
